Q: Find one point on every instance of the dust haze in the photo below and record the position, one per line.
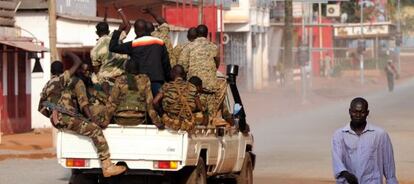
(293, 134)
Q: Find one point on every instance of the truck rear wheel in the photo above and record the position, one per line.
(246, 173)
(196, 175)
(82, 178)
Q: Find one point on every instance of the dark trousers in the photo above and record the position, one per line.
(390, 79)
(155, 88)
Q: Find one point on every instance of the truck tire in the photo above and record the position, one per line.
(196, 175)
(246, 173)
(81, 178)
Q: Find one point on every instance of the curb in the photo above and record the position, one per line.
(28, 156)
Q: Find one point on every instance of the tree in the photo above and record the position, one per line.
(288, 35)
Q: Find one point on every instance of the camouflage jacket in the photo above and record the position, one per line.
(162, 33)
(184, 55)
(110, 63)
(74, 96)
(177, 50)
(52, 91)
(120, 102)
(202, 64)
(172, 102)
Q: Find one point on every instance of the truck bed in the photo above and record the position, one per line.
(138, 146)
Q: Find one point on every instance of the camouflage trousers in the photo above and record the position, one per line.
(99, 111)
(91, 130)
(213, 102)
(176, 123)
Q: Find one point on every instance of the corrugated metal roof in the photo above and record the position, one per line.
(33, 4)
(109, 20)
(23, 43)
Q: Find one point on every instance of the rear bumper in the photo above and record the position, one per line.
(127, 172)
(141, 165)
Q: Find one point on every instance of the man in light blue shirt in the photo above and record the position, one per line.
(361, 152)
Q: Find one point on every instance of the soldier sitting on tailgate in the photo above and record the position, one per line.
(96, 95)
(131, 99)
(179, 101)
(73, 98)
(201, 117)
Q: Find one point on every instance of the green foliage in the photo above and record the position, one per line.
(351, 8)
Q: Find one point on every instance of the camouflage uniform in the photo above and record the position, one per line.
(129, 107)
(179, 113)
(51, 92)
(214, 102)
(176, 52)
(74, 96)
(199, 55)
(97, 100)
(162, 33)
(110, 63)
(201, 63)
(184, 56)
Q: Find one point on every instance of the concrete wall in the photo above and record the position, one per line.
(256, 27)
(37, 24)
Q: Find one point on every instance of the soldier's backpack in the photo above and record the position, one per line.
(134, 100)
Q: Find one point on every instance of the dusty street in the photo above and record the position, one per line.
(296, 147)
(292, 140)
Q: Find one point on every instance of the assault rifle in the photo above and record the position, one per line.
(51, 106)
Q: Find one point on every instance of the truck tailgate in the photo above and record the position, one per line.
(143, 142)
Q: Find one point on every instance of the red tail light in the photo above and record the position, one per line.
(165, 164)
(75, 162)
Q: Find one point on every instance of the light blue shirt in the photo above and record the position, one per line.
(369, 156)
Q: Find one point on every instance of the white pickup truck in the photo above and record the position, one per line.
(207, 155)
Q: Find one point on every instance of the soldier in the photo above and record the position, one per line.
(108, 65)
(191, 36)
(179, 101)
(97, 95)
(52, 90)
(73, 98)
(162, 33)
(131, 98)
(201, 56)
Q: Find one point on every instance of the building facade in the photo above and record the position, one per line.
(246, 26)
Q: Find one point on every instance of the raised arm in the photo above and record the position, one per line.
(125, 21)
(115, 46)
(76, 61)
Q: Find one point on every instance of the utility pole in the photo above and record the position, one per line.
(399, 37)
(304, 57)
(52, 30)
(200, 11)
(288, 34)
(361, 62)
(320, 36)
(311, 21)
(1, 120)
